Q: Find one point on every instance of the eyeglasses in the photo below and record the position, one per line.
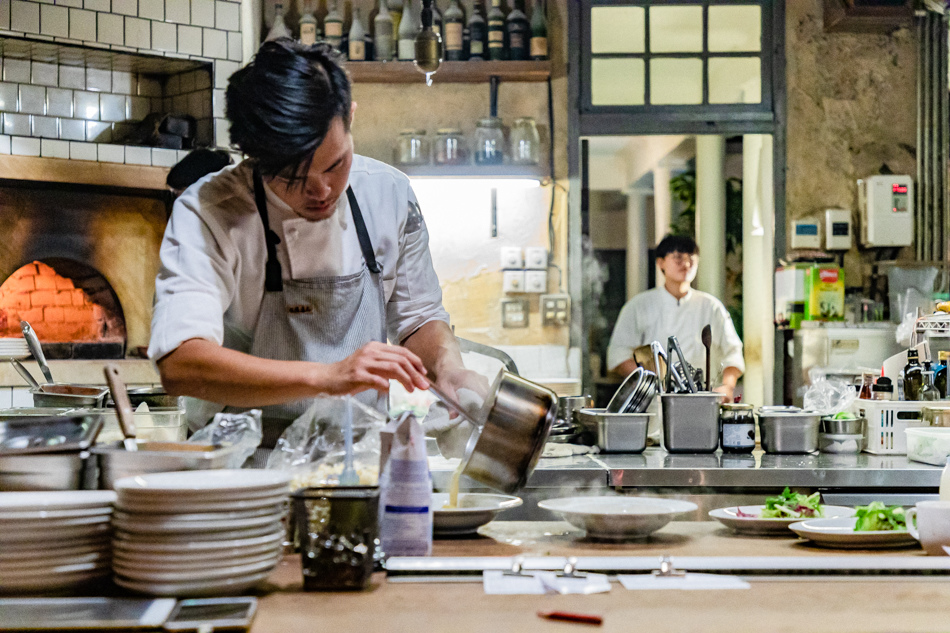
(682, 257)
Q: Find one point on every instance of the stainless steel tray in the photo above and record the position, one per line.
(115, 462)
(54, 434)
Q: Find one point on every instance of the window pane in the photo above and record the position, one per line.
(735, 28)
(676, 29)
(616, 81)
(735, 80)
(617, 30)
(676, 81)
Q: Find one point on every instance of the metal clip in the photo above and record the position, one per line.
(667, 570)
(570, 569)
(517, 564)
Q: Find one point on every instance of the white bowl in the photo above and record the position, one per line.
(618, 517)
(474, 510)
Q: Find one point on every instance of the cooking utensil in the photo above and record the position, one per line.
(25, 373)
(617, 432)
(658, 354)
(846, 426)
(36, 349)
(674, 345)
(789, 432)
(707, 343)
(691, 422)
(69, 396)
(123, 407)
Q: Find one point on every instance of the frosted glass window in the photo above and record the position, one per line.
(676, 29)
(676, 81)
(617, 30)
(616, 82)
(735, 80)
(735, 28)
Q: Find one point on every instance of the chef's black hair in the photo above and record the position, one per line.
(282, 103)
(676, 244)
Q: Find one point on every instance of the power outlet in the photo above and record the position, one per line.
(513, 281)
(514, 313)
(536, 281)
(555, 310)
(512, 257)
(536, 258)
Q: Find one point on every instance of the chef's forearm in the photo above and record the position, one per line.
(436, 345)
(203, 369)
(730, 376)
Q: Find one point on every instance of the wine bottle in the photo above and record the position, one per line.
(454, 20)
(518, 32)
(308, 27)
(279, 28)
(539, 31)
(477, 33)
(384, 33)
(409, 27)
(357, 43)
(395, 11)
(333, 26)
(496, 32)
(913, 376)
(437, 19)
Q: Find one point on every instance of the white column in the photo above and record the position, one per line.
(638, 241)
(662, 208)
(758, 206)
(711, 214)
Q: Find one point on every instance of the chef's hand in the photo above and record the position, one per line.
(451, 381)
(727, 392)
(373, 366)
(451, 430)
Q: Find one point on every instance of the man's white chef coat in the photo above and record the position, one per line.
(211, 279)
(655, 315)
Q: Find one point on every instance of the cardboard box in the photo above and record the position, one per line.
(808, 292)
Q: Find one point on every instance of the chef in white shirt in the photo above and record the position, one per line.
(282, 278)
(676, 309)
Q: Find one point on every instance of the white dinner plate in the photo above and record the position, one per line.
(43, 525)
(474, 510)
(55, 570)
(217, 587)
(188, 537)
(617, 517)
(50, 582)
(172, 526)
(7, 518)
(188, 484)
(198, 547)
(41, 538)
(169, 562)
(52, 550)
(79, 558)
(54, 500)
(756, 525)
(270, 510)
(141, 574)
(201, 507)
(839, 533)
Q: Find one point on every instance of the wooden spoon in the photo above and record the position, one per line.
(707, 343)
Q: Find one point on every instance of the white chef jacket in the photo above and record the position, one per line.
(211, 280)
(655, 315)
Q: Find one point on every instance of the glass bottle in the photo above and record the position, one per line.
(383, 24)
(357, 43)
(496, 32)
(883, 389)
(518, 32)
(913, 376)
(539, 31)
(279, 28)
(525, 142)
(477, 32)
(409, 27)
(395, 11)
(866, 381)
(489, 142)
(928, 392)
(454, 24)
(737, 428)
(308, 27)
(940, 375)
(333, 26)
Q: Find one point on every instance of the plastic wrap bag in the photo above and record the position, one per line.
(311, 448)
(242, 430)
(829, 397)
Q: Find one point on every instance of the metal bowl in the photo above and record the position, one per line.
(852, 426)
(502, 453)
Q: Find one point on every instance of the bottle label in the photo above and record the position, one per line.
(496, 38)
(738, 435)
(308, 34)
(334, 29)
(539, 47)
(357, 50)
(516, 40)
(453, 36)
(407, 50)
(476, 47)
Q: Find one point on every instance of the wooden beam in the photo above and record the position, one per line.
(449, 72)
(82, 172)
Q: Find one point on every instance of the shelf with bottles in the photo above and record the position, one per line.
(472, 170)
(397, 72)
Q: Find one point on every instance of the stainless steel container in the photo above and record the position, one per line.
(503, 453)
(115, 462)
(617, 432)
(153, 397)
(48, 471)
(69, 396)
(789, 432)
(691, 422)
(847, 426)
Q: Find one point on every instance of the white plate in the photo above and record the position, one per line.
(51, 582)
(474, 511)
(172, 526)
(54, 500)
(44, 525)
(204, 483)
(188, 537)
(839, 533)
(9, 518)
(8, 555)
(276, 509)
(170, 562)
(142, 574)
(197, 547)
(756, 525)
(219, 587)
(30, 548)
(40, 560)
(40, 538)
(55, 570)
(174, 506)
(617, 517)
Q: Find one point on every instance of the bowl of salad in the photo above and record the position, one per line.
(777, 514)
(873, 526)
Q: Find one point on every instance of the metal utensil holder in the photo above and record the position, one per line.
(691, 422)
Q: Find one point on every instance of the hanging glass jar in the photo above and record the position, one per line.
(412, 148)
(489, 142)
(525, 142)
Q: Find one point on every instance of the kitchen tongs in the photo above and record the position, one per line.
(673, 345)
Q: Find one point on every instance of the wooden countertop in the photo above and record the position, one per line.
(864, 605)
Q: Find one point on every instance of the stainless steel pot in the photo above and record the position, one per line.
(691, 422)
(502, 453)
(789, 432)
(617, 432)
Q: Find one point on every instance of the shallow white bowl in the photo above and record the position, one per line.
(475, 510)
(839, 533)
(618, 517)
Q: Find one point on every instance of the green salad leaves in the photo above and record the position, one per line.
(876, 517)
(792, 505)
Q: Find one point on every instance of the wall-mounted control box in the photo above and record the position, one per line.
(514, 313)
(536, 258)
(535, 281)
(838, 234)
(806, 234)
(555, 310)
(887, 210)
(513, 281)
(512, 257)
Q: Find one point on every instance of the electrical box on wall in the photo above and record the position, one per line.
(511, 257)
(535, 281)
(513, 281)
(887, 210)
(555, 309)
(806, 234)
(837, 229)
(536, 258)
(514, 312)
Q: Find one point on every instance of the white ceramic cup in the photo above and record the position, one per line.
(932, 527)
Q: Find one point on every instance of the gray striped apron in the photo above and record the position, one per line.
(321, 319)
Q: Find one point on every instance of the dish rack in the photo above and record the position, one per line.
(887, 420)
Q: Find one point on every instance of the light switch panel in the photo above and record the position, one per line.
(535, 281)
(514, 313)
(536, 258)
(511, 257)
(555, 310)
(513, 281)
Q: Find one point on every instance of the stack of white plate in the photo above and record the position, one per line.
(14, 348)
(54, 541)
(198, 532)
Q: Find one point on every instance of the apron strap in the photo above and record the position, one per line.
(366, 245)
(273, 276)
